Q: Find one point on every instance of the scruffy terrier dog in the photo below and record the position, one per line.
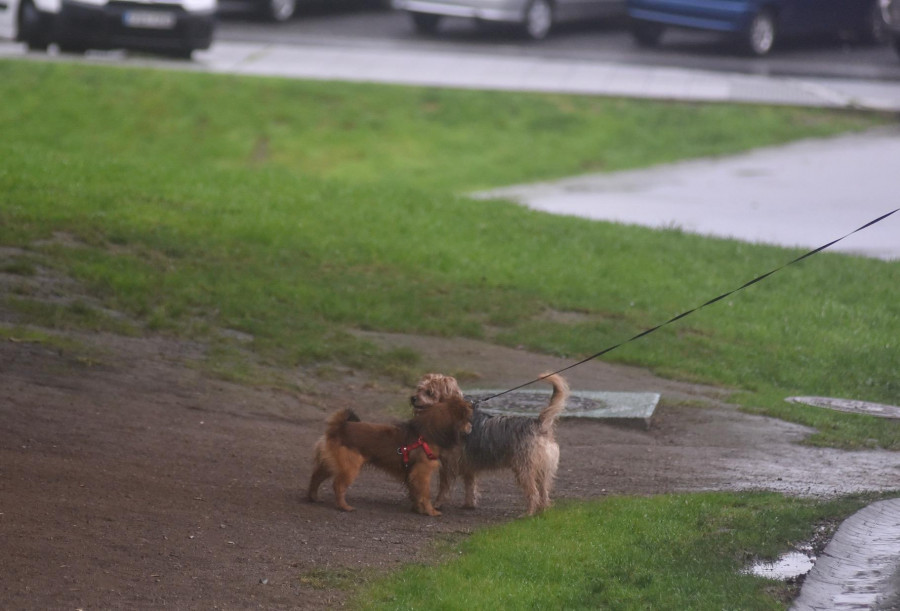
(525, 445)
(409, 451)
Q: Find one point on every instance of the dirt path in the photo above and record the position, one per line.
(139, 482)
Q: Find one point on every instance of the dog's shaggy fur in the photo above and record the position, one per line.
(348, 444)
(525, 445)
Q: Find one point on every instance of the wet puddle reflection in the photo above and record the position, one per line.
(787, 568)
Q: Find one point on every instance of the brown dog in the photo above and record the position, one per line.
(409, 451)
(525, 445)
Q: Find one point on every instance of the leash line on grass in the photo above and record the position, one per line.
(691, 311)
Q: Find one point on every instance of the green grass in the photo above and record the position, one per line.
(294, 212)
(662, 552)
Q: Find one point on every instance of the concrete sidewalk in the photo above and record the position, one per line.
(477, 71)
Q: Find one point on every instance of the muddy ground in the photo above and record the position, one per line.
(131, 479)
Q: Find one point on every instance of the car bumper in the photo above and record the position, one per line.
(504, 10)
(157, 27)
(716, 15)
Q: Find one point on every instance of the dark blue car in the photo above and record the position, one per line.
(757, 24)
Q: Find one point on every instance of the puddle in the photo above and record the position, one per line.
(787, 568)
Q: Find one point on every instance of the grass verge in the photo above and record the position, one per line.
(290, 213)
(662, 552)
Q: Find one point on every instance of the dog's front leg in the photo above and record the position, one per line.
(419, 483)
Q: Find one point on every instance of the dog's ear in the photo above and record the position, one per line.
(449, 388)
(462, 416)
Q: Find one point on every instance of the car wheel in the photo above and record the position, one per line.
(874, 29)
(647, 34)
(425, 23)
(538, 19)
(279, 11)
(185, 53)
(33, 27)
(760, 36)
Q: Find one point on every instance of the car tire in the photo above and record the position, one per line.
(874, 29)
(647, 34)
(34, 29)
(538, 19)
(425, 23)
(279, 11)
(185, 53)
(72, 48)
(761, 35)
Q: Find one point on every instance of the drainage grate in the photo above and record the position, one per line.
(848, 405)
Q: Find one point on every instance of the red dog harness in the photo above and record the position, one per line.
(420, 443)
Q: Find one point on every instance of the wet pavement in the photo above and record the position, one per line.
(803, 194)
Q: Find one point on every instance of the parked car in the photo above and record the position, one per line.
(280, 11)
(757, 24)
(891, 11)
(173, 27)
(536, 17)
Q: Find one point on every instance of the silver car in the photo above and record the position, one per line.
(536, 17)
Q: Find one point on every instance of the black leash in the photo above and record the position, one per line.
(689, 312)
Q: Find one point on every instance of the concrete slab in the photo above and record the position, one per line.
(628, 408)
(858, 567)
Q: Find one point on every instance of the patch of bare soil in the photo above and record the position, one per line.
(132, 480)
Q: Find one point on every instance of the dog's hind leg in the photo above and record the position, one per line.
(546, 474)
(320, 474)
(349, 465)
(526, 477)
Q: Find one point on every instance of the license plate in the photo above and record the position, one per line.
(151, 20)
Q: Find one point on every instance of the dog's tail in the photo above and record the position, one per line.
(549, 414)
(337, 421)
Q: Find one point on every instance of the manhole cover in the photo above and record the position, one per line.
(848, 405)
(624, 407)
